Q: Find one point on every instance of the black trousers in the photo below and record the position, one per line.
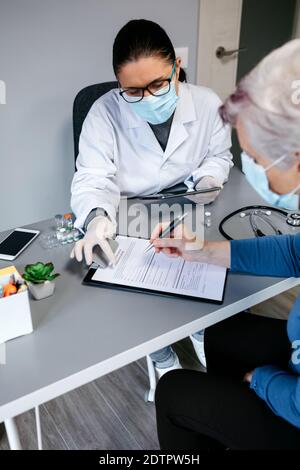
(217, 410)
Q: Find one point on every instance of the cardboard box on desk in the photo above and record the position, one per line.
(15, 315)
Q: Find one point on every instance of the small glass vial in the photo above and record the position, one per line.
(63, 237)
(69, 236)
(68, 222)
(76, 235)
(59, 221)
(60, 229)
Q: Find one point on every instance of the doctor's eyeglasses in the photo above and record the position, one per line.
(156, 88)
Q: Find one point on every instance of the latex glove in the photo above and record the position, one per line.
(205, 183)
(98, 231)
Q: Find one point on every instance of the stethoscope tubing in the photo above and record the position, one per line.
(244, 209)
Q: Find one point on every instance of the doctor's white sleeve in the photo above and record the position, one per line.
(94, 184)
(218, 160)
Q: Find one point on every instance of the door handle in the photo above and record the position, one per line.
(221, 52)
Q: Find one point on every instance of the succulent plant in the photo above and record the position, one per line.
(39, 272)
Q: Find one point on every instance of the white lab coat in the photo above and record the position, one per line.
(119, 153)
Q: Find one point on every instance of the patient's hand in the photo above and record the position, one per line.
(248, 377)
(182, 242)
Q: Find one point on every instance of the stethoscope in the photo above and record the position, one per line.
(262, 213)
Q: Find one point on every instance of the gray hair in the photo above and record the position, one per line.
(267, 101)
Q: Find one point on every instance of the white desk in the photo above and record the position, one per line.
(79, 332)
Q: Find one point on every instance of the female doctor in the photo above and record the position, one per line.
(150, 134)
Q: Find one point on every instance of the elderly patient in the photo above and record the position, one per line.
(250, 396)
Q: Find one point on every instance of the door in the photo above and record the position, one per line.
(219, 26)
(251, 27)
(265, 25)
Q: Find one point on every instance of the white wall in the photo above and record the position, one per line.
(49, 50)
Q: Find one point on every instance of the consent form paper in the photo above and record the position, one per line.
(137, 269)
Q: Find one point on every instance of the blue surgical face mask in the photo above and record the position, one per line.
(256, 175)
(158, 109)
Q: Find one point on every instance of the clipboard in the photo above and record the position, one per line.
(88, 281)
(91, 280)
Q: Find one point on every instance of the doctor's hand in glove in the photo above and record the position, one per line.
(206, 182)
(99, 230)
(182, 242)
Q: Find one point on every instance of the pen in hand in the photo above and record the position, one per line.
(166, 232)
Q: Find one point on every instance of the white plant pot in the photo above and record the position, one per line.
(41, 291)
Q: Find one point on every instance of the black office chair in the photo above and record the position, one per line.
(83, 103)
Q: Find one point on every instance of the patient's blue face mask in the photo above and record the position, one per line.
(158, 109)
(256, 175)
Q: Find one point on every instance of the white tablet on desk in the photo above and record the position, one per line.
(155, 273)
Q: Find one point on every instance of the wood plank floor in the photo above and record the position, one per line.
(110, 413)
